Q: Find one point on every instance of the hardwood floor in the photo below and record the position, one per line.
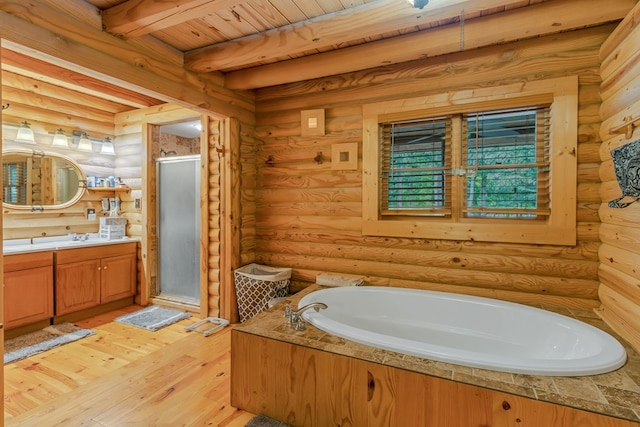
(126, 376)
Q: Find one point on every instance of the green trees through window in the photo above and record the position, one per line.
(502, 163)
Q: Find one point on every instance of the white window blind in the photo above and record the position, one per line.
(502, 170)
(415, 167)
(15, 182)
(506, 156)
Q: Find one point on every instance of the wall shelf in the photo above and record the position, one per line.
(109, 189)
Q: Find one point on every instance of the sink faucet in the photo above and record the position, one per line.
(295, 316)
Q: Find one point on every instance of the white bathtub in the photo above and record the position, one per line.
(466, 330)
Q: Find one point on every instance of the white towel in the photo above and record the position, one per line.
(333, 280)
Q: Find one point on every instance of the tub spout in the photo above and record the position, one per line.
(296, 316)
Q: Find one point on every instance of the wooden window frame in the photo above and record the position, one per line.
(559, 228)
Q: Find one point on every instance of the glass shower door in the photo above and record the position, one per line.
(178, 228)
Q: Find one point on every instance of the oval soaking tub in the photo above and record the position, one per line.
(465, 330)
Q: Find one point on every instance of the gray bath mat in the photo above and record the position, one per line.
(153, 318)
(264, 421)
(45, 339)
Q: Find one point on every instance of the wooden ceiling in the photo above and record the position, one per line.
(259, 43)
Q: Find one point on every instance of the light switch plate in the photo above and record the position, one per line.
(312, 122)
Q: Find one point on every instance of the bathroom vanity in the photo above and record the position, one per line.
(52, 281)
(88, 277)
(28, 288)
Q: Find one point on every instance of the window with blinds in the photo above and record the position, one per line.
(501, 171)
(15, 182)
(416, 160)
(506, 159)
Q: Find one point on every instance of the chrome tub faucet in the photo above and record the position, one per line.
(295, 316)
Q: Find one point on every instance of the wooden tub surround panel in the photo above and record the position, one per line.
(311, 378)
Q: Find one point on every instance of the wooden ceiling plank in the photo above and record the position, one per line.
(289, 10)
(544, 18)
(42, 33)
(70, 79)
(229, 24)
(261, 16)
(15, 96)
(187, 36)
(336, 28)
(134, 18)
(17, 80)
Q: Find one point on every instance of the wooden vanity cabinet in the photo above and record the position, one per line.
(28, 288)
(90, 276)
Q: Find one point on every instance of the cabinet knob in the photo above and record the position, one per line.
(99, 268)
(105, 267)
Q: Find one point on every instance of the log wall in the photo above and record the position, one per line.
(308, 216)
(619, 267)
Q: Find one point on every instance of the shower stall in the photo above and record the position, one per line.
(178, 228)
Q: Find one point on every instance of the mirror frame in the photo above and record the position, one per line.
(82, 180)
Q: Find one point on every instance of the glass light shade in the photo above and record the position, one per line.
(25, 133)
(85, 143)
(107, 147)
(60, 139)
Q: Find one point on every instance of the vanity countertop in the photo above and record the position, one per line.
(54, 243)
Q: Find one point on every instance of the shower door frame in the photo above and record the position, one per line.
(149, 242)
(219, 252)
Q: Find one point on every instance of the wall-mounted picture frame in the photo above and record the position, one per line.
(344, 156)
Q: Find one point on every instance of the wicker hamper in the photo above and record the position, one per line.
(256, 285)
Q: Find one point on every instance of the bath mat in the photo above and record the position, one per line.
(264, 421)
(152, 318)
(45, 339)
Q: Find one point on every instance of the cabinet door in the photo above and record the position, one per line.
(28, 296)
(118, 277)
(77, 286)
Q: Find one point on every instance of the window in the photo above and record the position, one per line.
(416, 165)
(496, 167)
(15, 182)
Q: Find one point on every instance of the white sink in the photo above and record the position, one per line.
(56, 242)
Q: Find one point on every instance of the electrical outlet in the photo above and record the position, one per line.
(91, 214)
(138, 203)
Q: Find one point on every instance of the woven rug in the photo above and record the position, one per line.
(45, 339)
(152, 318)
(264, 421)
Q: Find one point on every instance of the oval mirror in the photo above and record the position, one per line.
(37, 180)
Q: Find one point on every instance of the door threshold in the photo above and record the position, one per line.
(171, 301)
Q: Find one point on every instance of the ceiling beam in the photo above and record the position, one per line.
(540, 19)
(368, 20)
(135, 18)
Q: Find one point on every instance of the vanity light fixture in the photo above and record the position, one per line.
(85, 143)
(107, 147)
(60, 139)
(25, 133)
(419, 4)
